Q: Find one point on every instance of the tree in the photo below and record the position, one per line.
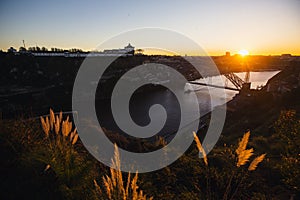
(139, 51)
(22, 49)
(44, 49)
(31, 49)
(11, 50)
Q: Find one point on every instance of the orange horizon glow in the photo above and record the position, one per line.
(243, 52)
(209, 52)
(222, 53)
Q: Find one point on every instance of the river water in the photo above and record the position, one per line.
(206, 99)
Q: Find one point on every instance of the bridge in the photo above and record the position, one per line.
(215, 86)
(233, 78)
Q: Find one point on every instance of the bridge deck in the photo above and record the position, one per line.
(215, 86)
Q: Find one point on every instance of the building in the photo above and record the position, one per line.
(129, 49)
(126, 51)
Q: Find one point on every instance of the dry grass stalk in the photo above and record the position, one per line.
(60, 116)
(108, 186)
(66, 127)
(200, 148)
(52, 119)
(114, 184)
(256, 161)
(134, 187)
(127, 184)
(73, 133)
(98, 189)
(56, 124)
(243, 153)
(244, 156)
(45, 125)
(47, 168)
(243, 143)
(75, 139)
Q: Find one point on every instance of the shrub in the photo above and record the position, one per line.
(287, 129)
(72, 170)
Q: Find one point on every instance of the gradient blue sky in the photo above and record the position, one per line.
(260, 26)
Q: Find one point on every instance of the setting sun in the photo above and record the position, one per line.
(244, 52)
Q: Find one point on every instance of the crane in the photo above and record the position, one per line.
(24, 44)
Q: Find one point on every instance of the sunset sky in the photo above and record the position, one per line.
(266, 27)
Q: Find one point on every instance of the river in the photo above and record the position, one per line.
(140, 103)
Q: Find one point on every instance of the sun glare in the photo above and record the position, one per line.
(244, 52)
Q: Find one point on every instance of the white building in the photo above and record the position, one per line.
(126, 51)
(129, 50)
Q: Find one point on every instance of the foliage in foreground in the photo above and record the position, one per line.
(238, 176)
(116, 188)
(70, 167)
(60, 157)
(288, 133)
(48, 163)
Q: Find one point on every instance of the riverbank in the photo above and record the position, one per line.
(33, 84)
